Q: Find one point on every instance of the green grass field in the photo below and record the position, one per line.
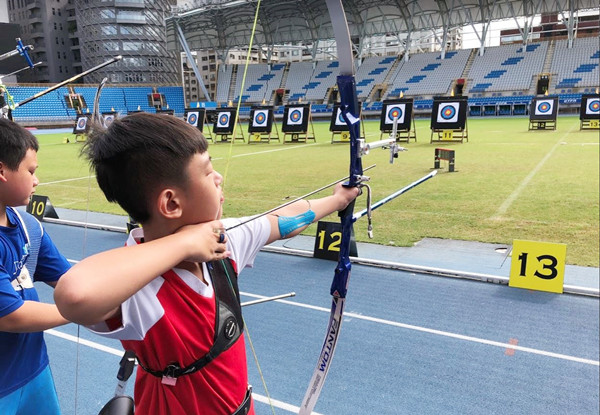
(510, 183)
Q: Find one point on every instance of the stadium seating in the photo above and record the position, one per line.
(223, 82)
(506, 68)
(173, 97)
(324, 77)
(299, 75)
(255, 89)
(371, 72)
(575, 67)
(498, 82)
(49, 106)
(136, 98)
(428, 74)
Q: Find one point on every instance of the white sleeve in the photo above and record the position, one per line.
(245, 241)
(138, 314)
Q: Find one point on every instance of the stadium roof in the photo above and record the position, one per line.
(222, 25)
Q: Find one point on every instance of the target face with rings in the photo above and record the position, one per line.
(192, 118)
(223, 119)
(260, 118)
(295, 116)
(448, 113)
(108, 120)
(81, 123)
(544, 107)
(593, 106)
(340, 119)
(395, 111)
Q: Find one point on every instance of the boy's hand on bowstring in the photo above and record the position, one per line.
(206, 241)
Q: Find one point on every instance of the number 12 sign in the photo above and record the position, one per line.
(538, 266)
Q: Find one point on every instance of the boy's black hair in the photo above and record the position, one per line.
(138, 155)
(14, 143)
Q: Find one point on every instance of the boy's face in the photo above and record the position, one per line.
(203, 195)
(20, 183)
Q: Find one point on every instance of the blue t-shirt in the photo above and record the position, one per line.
(23, 355)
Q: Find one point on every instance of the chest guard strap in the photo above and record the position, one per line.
(33, 232)
(229, 324)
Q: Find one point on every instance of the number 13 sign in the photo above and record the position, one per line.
(538, 266)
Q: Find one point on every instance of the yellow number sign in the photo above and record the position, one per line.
(447, 135)
(538, 266)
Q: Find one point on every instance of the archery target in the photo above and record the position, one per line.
(260, 118)
(81, 124)
(295, 116)
(448, 112)
(108, 119)
(395, 111)
(592, 106)
(339, 119)
(223, 119)
(192, 118)
(544, 107)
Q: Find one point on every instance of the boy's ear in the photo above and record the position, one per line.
(168, 204)
(2, 172)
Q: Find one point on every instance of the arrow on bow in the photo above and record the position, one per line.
(351, 113)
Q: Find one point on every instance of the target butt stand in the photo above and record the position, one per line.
(542, 113)
(260, 125)
(589, 112)
(397, 118)
(227, 125)
(296, 123)
(449, 119)
(198, 117)
(339, 127)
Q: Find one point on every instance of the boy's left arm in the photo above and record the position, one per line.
(293, 219)
(51, 263)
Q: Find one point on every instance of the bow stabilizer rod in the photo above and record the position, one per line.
(74, 78)
(394, 195)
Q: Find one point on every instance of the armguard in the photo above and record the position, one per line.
(288, 224)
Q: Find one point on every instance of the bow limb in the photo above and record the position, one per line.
(351, 113)
(96, 109)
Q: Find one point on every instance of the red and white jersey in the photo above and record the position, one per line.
(172, 319)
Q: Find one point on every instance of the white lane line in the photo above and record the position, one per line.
(269, 151)
(515, 194)
(66, 180)
(440, 332)
(425, 330)
(85, 342)
(260, 398)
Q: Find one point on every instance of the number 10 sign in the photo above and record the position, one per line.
(538, 266)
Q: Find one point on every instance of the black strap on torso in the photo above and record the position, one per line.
(228, 320)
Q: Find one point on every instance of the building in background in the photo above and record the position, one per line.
(8, 43)
(72, 36)
(44, 26)
(131, 28)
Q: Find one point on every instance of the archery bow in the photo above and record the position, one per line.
(350, 111)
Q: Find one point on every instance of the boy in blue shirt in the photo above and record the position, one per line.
(27, 254)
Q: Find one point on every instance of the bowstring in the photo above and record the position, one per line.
(96, 117)
(83, 252)
(229, 157)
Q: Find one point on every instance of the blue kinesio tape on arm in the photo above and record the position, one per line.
(288, 224)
